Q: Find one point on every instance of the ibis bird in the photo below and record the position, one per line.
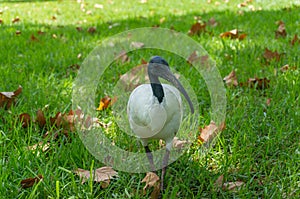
(155, 110)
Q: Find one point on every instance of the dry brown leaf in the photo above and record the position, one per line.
(103, 174)
(219, 182)
(179, 144)
(137, 45)
(15, 20)
(40, 32)
(280, 32)
(25, 119)
(195, 57)
(29, 182)
(211, 131)
(212, 22)
(8, 98)
(135, 77)
(232, 186)
(269, 55)
(233, 34)
(287, 67)
(243, 4)
(33, 38)
(197, 29)
(40, 118)
(105, 102)
(91, 30)
(268, 101)
(295, 40)
(258, 83)
(79, 29)
(123, 57)
(40, 146)
(152, 180)
(231, 79)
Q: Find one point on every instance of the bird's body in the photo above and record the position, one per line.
(155, 110)
(150, 119)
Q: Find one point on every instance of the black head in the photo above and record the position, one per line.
(158, 60)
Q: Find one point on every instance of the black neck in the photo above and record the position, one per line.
(158, 91)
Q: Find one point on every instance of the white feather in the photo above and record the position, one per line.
(150, 119)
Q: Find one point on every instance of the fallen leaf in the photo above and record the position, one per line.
(269, 55)
(258, 83)
(197, 29)
(40, 146)
(33, 38)
(233, 34)
(105, 102)
(135, 77)
(29, 182)
(231, 79)
(25, 119)
(268, 101)
(40, 118)
(209, 132)
(40, 32)
(91, 30)
(15, 20)
(280, 32)
(103, 174)
(295, 40)
(79, 29)
(8, 98)
(219, 182)
(212, 22)
(232, 186)
(137, 45)
(194, 58)
(152, 180)
(243, 4)
(123, 57)
(179, 144)
(287, 67)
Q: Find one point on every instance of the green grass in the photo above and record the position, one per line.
(260, 145)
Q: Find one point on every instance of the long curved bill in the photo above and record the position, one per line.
(165, 73)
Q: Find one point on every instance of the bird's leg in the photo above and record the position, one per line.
(164, 168)
(150, 158)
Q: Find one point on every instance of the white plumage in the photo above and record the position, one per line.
(150, 119)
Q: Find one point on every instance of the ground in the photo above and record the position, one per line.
(44, 43)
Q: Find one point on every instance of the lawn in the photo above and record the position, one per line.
(44, 43)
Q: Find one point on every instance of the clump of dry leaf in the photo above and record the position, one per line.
(29, 182)
(105, 102)
(280, 32)
(228, 186)
(8, 98)
(208, 133)
(102, 175)
(152, 180)
(233, 34)
(270, 55)
(231, 79)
